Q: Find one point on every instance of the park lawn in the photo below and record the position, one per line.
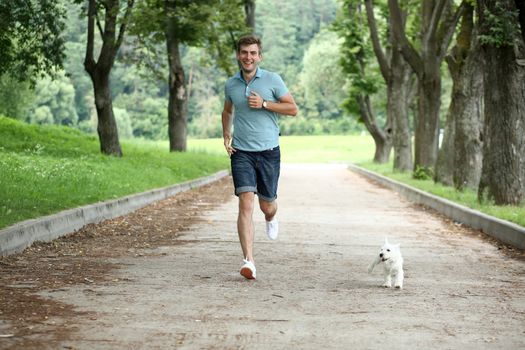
(46, 169)
(467, 198)
(308, 149)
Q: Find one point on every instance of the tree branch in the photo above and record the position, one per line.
(411, 55)
(89, 61)
(449, 29)
(384, 65)
(435, 20)
(123, 26)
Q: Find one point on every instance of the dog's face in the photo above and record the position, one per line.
(389, 251)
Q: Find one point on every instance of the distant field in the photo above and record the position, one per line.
(308, 149)
(359, 150)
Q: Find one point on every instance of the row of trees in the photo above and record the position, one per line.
(298, 46)
(391, 51)
(483, 45)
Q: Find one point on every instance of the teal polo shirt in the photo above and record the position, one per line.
(254, 129)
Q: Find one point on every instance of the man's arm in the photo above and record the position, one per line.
(285, 106)
(227, 120)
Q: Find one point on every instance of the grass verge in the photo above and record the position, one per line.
(467, 198)
(46, 169)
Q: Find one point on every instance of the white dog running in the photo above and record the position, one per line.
(390, 256)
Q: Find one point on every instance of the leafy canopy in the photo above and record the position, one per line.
(30, 37)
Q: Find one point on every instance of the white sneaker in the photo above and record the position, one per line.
(272, 229)
(248, 270)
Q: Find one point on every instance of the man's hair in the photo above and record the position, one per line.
(249, 40)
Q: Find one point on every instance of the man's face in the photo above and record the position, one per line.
(249, 57)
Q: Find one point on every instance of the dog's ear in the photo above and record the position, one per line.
(397, 245)
(386, 241)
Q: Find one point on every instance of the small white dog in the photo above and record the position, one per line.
(390, 256)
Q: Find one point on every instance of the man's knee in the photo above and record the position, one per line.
(268, 208)
(246, 200)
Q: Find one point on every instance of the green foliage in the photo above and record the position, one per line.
(357, 58)
(54, 102)
(15, 97)
(209, 24)
(286, 28)
(316, 126)
(322, 78)
(46, 169)
(30, 37)
(501, 26)
(423, 173)
(293, 46)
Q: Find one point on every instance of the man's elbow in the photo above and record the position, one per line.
(294, 111)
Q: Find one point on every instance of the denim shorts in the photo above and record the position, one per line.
(257, 172)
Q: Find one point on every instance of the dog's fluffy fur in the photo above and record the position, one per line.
(390, 256)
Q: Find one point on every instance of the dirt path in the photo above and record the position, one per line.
(167, 277)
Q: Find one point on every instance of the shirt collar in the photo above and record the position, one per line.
(258, 74)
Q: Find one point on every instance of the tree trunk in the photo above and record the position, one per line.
(177, 112)
(100, 70)
(396, 72)
(382, 139)
(503, 171)
(427, 131)
(398, 102)
(249, 10)
(445, 161)
(107, 126)
(468, 150)
(438, 23)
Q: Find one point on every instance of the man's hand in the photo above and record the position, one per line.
(228, 144)
(254, 100)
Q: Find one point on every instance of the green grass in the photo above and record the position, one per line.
(468, 198)
(308, 149)
(45, 169)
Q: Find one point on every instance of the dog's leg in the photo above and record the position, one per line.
(388, 279)
(399, 279)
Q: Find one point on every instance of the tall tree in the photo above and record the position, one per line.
(396, 72)
(502, 29)
(460, 156)
(31, 42)
(438, 21)
(99, 70)
(249, 10)
(210, 24)
(356, 54)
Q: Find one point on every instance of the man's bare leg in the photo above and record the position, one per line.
(268, 208)
(245, 226)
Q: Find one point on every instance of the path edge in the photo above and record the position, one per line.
(19, 236)
(502, 230)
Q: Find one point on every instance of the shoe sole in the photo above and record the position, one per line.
(247, 273)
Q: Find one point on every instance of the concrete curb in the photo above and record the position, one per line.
(505, 231)
(16, 238)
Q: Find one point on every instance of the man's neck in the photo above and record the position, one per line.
(248, 76)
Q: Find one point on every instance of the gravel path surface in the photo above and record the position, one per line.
(167, 276)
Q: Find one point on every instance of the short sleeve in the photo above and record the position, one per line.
(227, 97)
(279, 88)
